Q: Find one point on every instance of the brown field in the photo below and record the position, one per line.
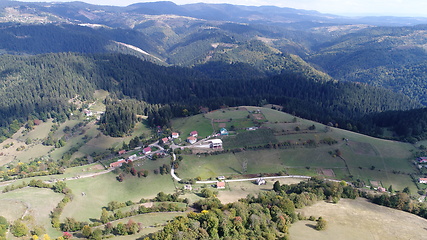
(237, 190)
(258, 116)
(327, 172)
(221, 120)
(359, 219)
(362, 148)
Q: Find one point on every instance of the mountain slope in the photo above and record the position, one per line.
(394, 58)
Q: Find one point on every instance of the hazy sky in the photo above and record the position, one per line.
(410, 8)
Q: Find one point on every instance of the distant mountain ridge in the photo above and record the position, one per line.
(237, 47)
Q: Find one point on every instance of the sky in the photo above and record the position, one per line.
(408, 8)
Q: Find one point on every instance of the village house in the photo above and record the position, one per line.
(175, 135)
(422, 180)
(88, 113)
(220, 185)
(118, 163)
(215, 143)
(132, 158)
(122, 152)
(191, 140)
(422, 159)
(165, 140)
(381, 189)
(223, 131)
(147, 150)
(194, 134)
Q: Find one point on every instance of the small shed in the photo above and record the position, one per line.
(223, 131)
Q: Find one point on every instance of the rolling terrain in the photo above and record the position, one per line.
(301, 95)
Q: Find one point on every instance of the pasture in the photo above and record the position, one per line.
(102, 189)
(358, 219)
(195, 123)
(358, 153)
(33, 203)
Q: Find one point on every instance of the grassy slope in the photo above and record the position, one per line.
(100, 190)
(360, 152)
(39, 203)
(358, 219)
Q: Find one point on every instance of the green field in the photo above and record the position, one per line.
(195, 123)
(34, 203)
(391, 160)
(228, 113)
(102, 189)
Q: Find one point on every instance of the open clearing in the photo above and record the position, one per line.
(34, 202)
(358, 219)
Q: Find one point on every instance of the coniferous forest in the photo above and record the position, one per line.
(40, 86)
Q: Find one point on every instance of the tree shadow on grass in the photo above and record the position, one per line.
(235, 170)
(310, 225)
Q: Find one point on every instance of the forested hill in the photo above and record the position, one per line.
(42, 85)
(390, 57)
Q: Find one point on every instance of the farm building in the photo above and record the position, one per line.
(251, 128)
(175, 135)
(220, 185)
(215, 143)
(194, 134)
(88, 112)
(223, 131)
(422, 160)
(191, 140)
(117, 164)
(147, 150)
(422, 180)
(260, 181)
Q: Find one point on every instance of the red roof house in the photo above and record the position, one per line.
(220, 185)
(191, 140)
(422, 160)
(122, 152)
(194, 134)
(117, 164)
(422, 180)
(147, 150)
(175, 135)
(165, 140)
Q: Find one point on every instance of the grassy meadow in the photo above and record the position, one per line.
(352, 156)
(358, 219)
(33, 205)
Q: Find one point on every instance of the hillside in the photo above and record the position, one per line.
(393, 58)
(60, 77)
(383, 52)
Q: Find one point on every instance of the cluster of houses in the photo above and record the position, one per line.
(421, 160)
